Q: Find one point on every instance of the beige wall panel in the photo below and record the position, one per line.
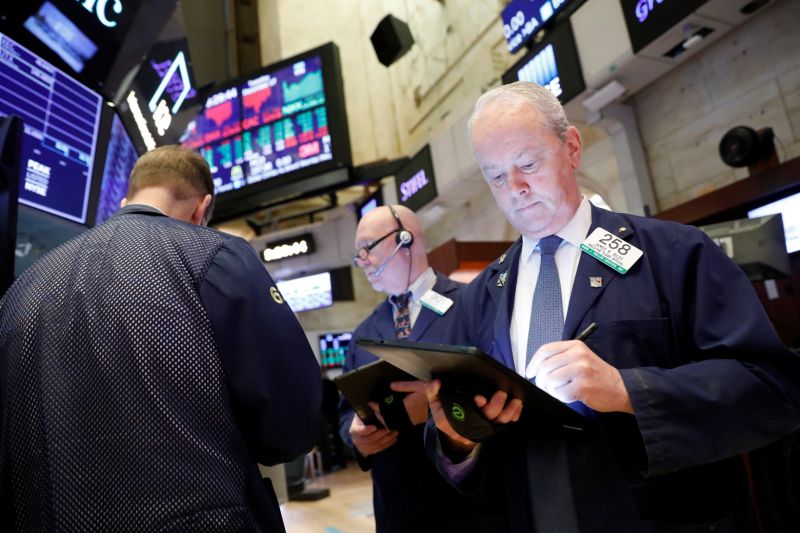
(674, 100)
(789, 85)
(767, 46)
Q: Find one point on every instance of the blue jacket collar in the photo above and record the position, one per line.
(502, 282)
(139, 209)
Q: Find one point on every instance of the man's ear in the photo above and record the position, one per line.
(574, 145)
(123, 202)
(199, 213)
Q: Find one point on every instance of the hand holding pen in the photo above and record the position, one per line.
(570, 371)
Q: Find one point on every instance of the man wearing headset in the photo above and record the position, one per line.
(408, 494)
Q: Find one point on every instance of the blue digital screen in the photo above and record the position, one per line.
(120, 158)
(553, 64)
(522, 19)
(542, 69)
(61, 119)
(58, 32)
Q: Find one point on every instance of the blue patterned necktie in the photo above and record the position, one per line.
(553, 508)
(547, 311)
(402, 316)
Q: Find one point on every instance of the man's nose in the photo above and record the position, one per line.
(517, 182)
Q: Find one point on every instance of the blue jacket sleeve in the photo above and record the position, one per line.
(733, 385)
(275, 381)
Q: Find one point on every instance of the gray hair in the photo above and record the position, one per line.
(545, 103)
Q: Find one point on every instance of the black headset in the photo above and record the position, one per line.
(404, 237)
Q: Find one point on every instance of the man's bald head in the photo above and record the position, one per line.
(408, 262)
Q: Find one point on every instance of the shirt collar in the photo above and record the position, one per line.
(140, 208)
(422, 284)
(574, 232)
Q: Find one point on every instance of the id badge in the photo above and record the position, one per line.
(436, 302)
(611, 250)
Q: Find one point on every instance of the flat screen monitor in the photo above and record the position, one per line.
(333, 349)
(163, 97)
(62, 120)
(279, 131)
(522, 19)
(369, 203)
(416, 182)
(647, 20)
(308, 292)
(10, 149)
(553, 63)
(757, 245)
(121, 155)
(97, 41)
(789, 209)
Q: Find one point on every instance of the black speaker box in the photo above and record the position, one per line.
(743, 146)
(391, 40)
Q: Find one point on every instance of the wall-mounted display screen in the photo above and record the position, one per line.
(789, 209)
(308, 292)
(523, 18)
(416, 183)
(163, 98)
(90, 39)
(649, 19)
(61, 126)
(277, 126)
(369, 203)
(333, 349)
(120, 158)
(553, 63)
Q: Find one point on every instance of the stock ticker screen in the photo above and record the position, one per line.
(333, 349)
(265, 127)
(120, 158)
(61, 121)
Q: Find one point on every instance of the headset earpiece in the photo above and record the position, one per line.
(404, 237)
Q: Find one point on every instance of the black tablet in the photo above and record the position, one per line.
(367, 383)
(470, 365)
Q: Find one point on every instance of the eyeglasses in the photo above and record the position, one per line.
(363, 253)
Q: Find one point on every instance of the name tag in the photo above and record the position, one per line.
(436, 302)
(611, 250)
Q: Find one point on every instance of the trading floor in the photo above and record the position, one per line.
(348, 509)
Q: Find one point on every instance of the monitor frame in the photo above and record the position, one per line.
(320, 176)
(568, 63)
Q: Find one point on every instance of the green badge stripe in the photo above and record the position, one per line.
(603, 259)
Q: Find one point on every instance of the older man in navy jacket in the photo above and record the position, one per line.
(408, 493)
(683, 374)
(145, 366)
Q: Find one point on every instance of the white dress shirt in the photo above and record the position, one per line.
(567, 257)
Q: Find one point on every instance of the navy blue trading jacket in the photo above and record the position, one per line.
(145, 367)
(408, 492)
(707, 375)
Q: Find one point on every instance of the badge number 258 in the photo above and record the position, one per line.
(611, 250)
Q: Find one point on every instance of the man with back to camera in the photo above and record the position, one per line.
(145, 366)
(408, 493)
(683, 374)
